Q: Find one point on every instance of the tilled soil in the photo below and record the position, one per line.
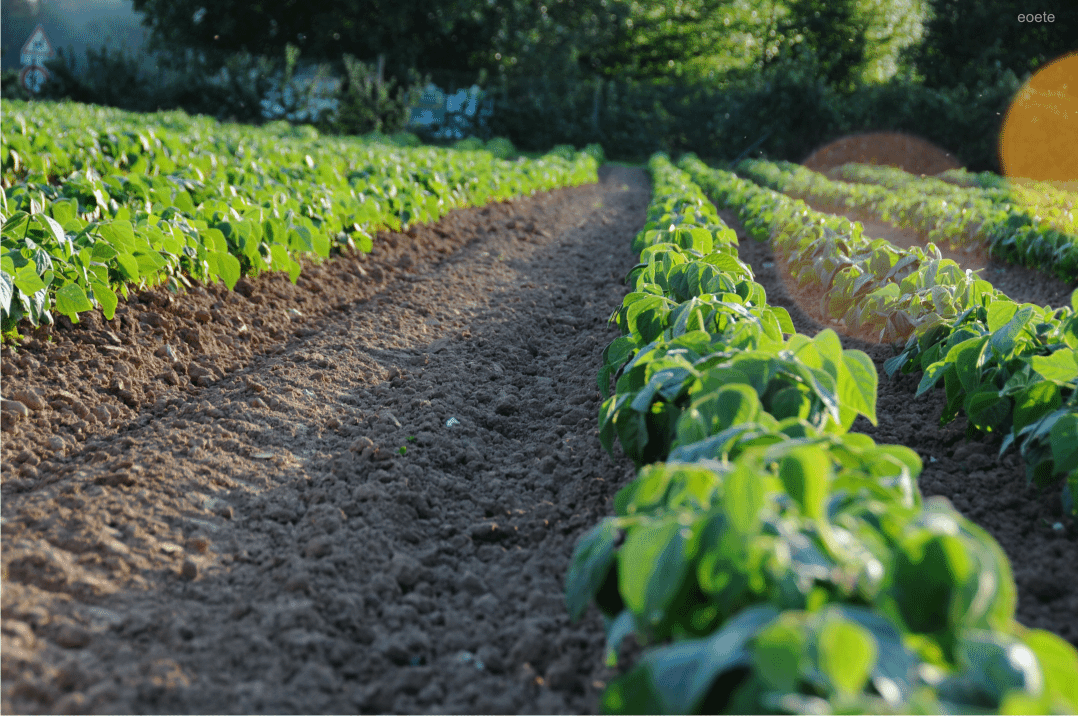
(990, 491)
(359, 493)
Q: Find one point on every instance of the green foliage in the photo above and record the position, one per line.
(768, 560)
(1007, 220)
(970, 44)
(868, 284)
(369, 104)
(1011, 370)
(472, 144)
(502, 148)
(96, 200)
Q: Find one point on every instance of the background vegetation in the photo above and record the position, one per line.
(723, 78)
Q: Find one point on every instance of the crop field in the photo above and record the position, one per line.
(299, 423)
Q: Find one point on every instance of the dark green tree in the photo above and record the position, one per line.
(971, 42)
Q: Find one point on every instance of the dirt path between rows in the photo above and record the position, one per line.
(989, 490)
(356, 494)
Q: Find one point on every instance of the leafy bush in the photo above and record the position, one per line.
(596, 150)
(470, 144)
(367, 104)
(501, 148)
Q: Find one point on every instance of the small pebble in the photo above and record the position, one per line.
(189, 570)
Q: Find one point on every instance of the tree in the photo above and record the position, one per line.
(409, 33)
(971, 42)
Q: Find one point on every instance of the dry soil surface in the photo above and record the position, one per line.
(359, 493)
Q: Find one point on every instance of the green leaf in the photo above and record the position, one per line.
(128, 265)
(1064, 442)
(71, 300)
(986, 410)
(652, 564)
(1059, 664)
(228, 268)
(7, 291)
(27, 279)
(592, 558)
(745, 497)
(106, 298)
(806, 474)
(778, 653)
(675, 679)
(1034, 402)
(847, 655)
(1060, 367)
(858, 389)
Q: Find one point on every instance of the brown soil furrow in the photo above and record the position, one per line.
(989, 490)
(357, 493)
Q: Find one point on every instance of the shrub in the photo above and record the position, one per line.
(501, 148)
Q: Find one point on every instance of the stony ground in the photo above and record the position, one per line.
(361, 493)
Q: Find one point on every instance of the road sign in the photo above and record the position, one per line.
(37, 49)
(33, 78)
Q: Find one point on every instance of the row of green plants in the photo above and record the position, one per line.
(1010, 369)
(1047, 202)
(869, 285)
(97, 200)
(1032, 225)
(769, 560)
(995, 219)
(1061, 193)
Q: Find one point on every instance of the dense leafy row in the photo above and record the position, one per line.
(1011, 369)
(95, 200)
(868, 284)
(777, 562)
(1005, 386)
(1032, 226)
(1053, 204)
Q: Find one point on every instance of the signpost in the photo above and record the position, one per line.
(34, 53)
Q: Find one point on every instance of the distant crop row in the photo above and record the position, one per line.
(1024, 225)
(97, 200)
(771, 561)
(1043, 201)
(1010, 369)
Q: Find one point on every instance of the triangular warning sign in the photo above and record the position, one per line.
(37, 49)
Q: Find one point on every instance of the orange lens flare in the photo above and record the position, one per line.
(1040, 131)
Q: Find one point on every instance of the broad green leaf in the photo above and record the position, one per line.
(7, 291)
(744, 497)
(847, 655)
(27, 279)
(1033, 403)
(592, 558)
(71, 300)
(1059, 664)
(228, 267)
(1064, 442)
(106, 298)
(858, 390)
(806, 474)
(652, 564)
(128, 266)
(778, 653)
(1061, 366)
